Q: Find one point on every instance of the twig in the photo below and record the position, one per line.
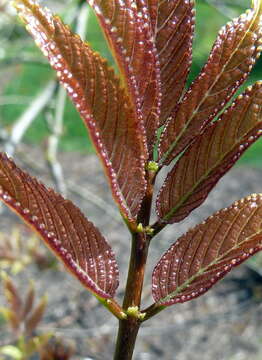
(57, 123)
(92, 197)
(28, 117)
(82, 21)
(53, 141)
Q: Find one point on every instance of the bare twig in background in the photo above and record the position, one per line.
(82, 21)
(25, 120)
(92, 197)
(56, 126)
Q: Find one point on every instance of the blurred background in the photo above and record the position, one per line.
(39, 125)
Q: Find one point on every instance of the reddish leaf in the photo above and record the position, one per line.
(12, 295)
(101, 101)
(62, 226)
(208, 252)
(211, 156)
(35, 317)
(229, 63)
(29, 301)
(174, 45)
(128, 30)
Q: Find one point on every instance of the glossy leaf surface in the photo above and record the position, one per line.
(231, 59)
(211, 156)
(128, 29)
(62, 226)
(208, 252)
(102, 103)
(175, 30)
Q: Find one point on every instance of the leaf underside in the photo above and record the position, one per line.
(62, 226)
(205, 254)
(128, 29)
(231, 60)
(100, 100)
(211, 155)
(175, 30)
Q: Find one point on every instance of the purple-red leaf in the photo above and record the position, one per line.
(12, 295)
(102, 103)
(175, 30)
(231, 59)
(212, 154)
(32, 320)
(128, 29)
(62, 226)
(205, 254)
(29, 301)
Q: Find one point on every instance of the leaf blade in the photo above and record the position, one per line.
(62, 226)
(101, 102)
(229, 63)
(174, 39)
(211, 155)
(128, 29)
(32, 321)
(206, 253)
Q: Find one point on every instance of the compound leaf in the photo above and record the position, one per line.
(102, 103)
(231, 59)
(175, 30)
(128, 29)
(205, 254)
(62, 226)
(212, 154)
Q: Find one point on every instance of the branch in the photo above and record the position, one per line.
(25, 120)
(53, 141)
